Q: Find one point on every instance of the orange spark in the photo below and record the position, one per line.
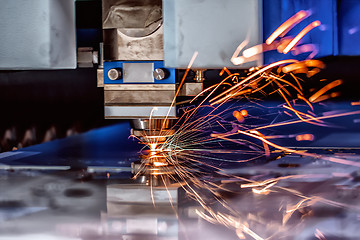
(238, 116)
(305, 100)
(298, 113)
(293, 67)
(160, 164)
(235, 59)
(288, 25)
(298, 37)
(265, 190)
(249, 78)
(244, 113)
(250, 52)
(289, 212)
(325, 89)
(314, 63)
(319, 235)
(224, 70)
(327, 96)
(305, 137)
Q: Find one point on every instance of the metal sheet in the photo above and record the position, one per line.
(58, 205)
(140, 194)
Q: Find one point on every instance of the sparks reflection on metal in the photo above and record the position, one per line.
(194, 140)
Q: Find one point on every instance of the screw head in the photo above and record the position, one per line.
(160, 74)
(114, 74)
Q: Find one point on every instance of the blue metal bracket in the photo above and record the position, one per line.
(119, 64)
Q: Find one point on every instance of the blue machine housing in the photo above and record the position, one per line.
(119, 64)
(349, 27)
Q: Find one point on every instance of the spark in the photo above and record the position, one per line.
(224, 70)
(301, 35)
(192, 60)
(325, 89)
(248, 78)
(239, 60)
(244, 113)
(255, 50)
(288, 25)
(305, 137)
(238, 116)
(319, 235)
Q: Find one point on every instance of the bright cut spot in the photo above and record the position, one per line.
(153, 146)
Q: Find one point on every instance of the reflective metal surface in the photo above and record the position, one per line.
(81, 188)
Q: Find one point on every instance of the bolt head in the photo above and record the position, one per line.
(159, 74)
(114, 74)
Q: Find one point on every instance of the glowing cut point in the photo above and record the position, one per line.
(153, 146)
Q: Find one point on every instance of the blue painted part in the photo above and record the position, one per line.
(119, 64)
(275, 12)
(109, 146)
(349, 27)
